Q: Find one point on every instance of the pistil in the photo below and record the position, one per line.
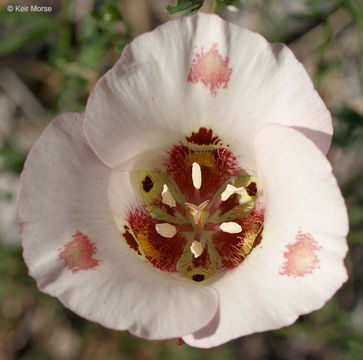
(196, 212)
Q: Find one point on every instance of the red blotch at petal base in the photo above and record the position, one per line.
(78, 253)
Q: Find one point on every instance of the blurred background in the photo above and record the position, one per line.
(49, 63)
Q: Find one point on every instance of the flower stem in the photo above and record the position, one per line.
(216, 6)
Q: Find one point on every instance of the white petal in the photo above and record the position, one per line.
(65, 191)
(147, 93)
(302, 201)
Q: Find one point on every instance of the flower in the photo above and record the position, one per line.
(193, 198)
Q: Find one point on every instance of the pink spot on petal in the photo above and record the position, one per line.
(301, 258)
(210, 69)
(77, 254)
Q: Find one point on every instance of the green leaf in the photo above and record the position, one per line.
(350, 116)
(192, 6)
(27, 30)
(356, 216)
(350, 131)
(355, 237)
(120, 46)
(11, 158)
(355, 350)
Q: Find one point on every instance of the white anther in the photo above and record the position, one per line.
(166, 197)
(166, 230)
(230, 190)
(196, 249)
(196, 175)
(231, 227)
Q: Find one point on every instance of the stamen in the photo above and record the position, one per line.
(196, 249)
(215, 207)
(212, 227)
(196, 175)
(231, 227)
(230, 190)
(167, 197)
(166, 230)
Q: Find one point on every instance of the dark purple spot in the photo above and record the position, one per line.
(147, 184)
(198, 277)
(251, 189)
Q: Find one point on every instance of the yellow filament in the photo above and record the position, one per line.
(148, 249)
(203, 158)
(249, 240)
